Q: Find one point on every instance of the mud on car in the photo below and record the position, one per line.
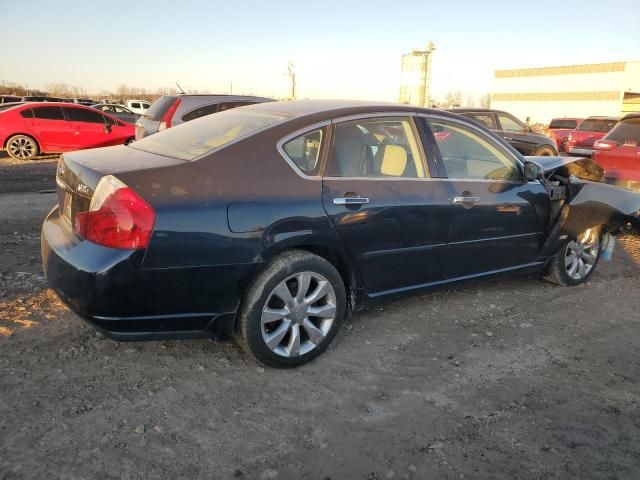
(269, 223)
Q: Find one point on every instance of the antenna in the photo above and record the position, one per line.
(180, 88)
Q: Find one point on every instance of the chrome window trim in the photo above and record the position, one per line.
(360, 116)
(433, 179)
(295, 134)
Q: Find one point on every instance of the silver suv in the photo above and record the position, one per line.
(169, 110)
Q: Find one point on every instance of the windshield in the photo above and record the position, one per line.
(597, 125)
(626, 132)
(563, 123)
(198, 137)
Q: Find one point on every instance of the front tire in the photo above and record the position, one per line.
(292, 310)
(577, 259)
(22, 147)
(545, 151)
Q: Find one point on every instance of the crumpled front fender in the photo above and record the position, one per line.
(593, 204)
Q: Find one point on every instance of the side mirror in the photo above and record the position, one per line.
(107, 128)
(528, 129)
(533, 171)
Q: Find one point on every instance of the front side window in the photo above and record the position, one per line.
(304, 151)
(48, 113)
(468, 154)
(85, 116)
(509, 124)
(378, 148)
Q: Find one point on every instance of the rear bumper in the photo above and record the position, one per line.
(111, 291)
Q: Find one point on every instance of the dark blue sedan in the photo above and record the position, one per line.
(269, 223)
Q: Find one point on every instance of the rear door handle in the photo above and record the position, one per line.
(350, 201)
(463, 200)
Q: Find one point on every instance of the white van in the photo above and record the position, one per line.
(137, 106)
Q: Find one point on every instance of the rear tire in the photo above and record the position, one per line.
(545, 151)
(22, 147)
(577, 259)
(292, 310)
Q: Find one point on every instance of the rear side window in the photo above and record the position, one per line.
(200, 112)
(304, 151)
(377, 148)
(468, 154)
(626, 132)
(203, 135)
(28, 113)
(86, 116)
(48, 113)
(596, 125)
(563, 123)
(486, 119)
(135, 105)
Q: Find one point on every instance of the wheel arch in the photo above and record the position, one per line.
(30, 135)
(332, 251)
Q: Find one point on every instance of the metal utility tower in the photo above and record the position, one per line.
(416, 76)
(292, 79)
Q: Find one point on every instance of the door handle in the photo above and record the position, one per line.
(463, 200)
(350, 201)
(508, 139)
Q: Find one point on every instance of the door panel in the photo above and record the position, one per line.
(498, 220)
(503, 228)
(393, 219)
(399, 238)
(53, 131)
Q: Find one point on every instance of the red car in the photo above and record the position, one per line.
(33, 128)
(560, 128)
(619, 153)
(580, 141)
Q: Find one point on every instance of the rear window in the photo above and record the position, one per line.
(159, 107)
(596, 125)
(203, 135)
(563, 123)
(200, 112)
(627, 131)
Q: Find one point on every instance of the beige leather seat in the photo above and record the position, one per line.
(394, 161)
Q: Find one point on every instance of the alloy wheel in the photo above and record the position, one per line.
(581, 254)
(298, 314)
(22, 147)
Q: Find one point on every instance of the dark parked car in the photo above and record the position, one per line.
(580, 141)
(42, 99)
(5, 106)
(118, 111)
(517, 134)
(270, 222)
(9, 99)
(619, 153)
(170, 110)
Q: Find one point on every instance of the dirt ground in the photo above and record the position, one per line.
(500, 379)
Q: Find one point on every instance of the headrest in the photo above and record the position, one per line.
(394, 161)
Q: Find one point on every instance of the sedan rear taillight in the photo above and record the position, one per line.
(605, 145)
(168, 115)
(118, 217)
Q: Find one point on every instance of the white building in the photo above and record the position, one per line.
(568, 91)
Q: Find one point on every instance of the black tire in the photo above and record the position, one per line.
(248, 332)
(557, 269)
(545, 151)
(130, 141)
(22, 147)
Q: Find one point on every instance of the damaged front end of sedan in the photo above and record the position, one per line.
(581, 201)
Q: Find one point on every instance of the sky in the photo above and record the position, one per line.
(340, 49)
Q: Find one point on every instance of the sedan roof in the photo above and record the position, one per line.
(333, 108)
